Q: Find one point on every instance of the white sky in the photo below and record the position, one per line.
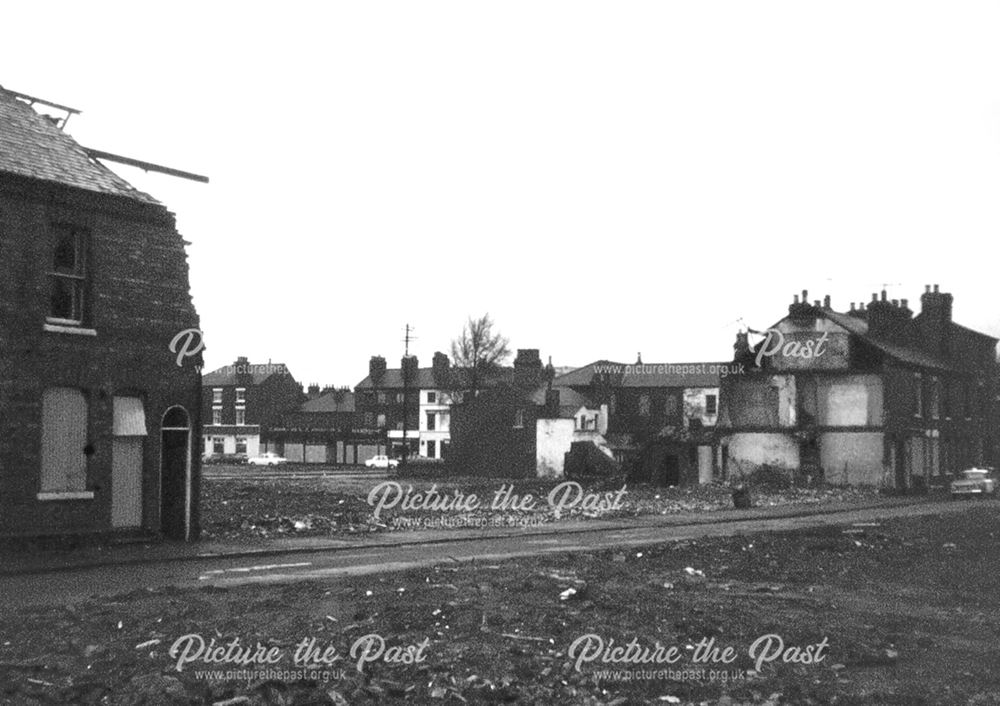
(603, 178)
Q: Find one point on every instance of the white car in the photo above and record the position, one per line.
(381, 462)
(267, 459)
(974, 482)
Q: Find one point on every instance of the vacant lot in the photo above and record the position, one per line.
(267, 507)
(904, 612)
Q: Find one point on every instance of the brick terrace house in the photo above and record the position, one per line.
(873, 396)
(425, 393)
(325, 429)
(660, 416)
(243, 399)
(99, 421)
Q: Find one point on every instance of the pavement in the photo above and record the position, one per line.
(15, 562)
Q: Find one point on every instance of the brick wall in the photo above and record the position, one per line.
(139, 299)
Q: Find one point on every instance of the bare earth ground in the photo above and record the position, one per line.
(245, 509)
(909, 610)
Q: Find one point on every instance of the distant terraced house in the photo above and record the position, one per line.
(241, 402)
(99, 421)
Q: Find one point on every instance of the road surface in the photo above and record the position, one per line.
(70, 585)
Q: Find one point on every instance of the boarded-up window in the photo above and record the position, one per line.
(847, 404)
(64, 436)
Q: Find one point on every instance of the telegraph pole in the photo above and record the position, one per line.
(406, 396)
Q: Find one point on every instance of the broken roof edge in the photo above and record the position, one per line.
(33, 147)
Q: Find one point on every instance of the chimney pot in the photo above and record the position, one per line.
(936, 289)
(796, 299)
(895, 302)
(805, 296)
(927, 289)
(874, 297)
(852, 306)
(905, 303)
(883, 295)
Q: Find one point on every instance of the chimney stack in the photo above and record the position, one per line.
(440, 368)
(935, 317)
(409, 366)
(527, 368)
(741, 348)
(376, 368)
(826, 302)
(242, 372)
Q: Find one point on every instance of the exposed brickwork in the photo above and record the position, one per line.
(138, 300)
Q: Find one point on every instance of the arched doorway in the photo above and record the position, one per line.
(175, 474)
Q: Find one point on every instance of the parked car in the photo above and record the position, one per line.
(381, 462)
(973, 482)
(267, 459)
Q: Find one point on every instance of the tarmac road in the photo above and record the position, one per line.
(55, 587)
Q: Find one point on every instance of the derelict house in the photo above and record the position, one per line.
(872, 396)
(99, 420)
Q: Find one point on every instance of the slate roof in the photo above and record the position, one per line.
(32, 146)
(569, 400)
(338, 401)
(705, 374)
(393, 379)
(582, 377)
(226, 375)
(905, 354)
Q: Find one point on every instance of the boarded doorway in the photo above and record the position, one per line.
(129, 431)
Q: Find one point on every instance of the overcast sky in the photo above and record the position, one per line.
(603, 178)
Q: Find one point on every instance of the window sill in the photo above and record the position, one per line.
(67, 495)
(64, 328)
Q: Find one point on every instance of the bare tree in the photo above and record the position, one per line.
(480, 351)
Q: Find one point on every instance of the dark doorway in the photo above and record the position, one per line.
(671, 470)
(900, 465)
(175, 456)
